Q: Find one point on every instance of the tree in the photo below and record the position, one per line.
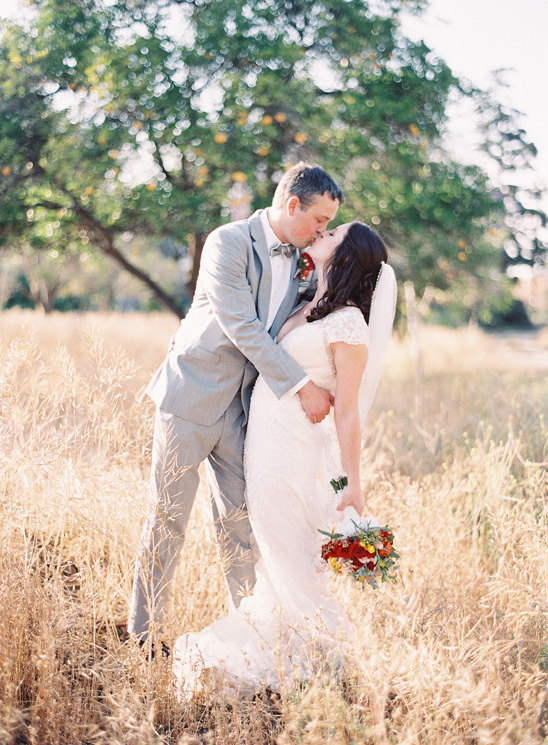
(521, 219)
(165, 118)
(57, 175)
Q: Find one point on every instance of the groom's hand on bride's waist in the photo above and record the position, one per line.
(316, 401)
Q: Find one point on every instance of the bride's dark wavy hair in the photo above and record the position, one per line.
(352, 272)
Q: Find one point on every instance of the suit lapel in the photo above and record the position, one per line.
(261, 250)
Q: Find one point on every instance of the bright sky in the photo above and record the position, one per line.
(476, 37)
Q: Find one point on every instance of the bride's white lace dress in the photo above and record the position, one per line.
(276, 632)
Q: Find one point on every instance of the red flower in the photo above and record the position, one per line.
(344, 550)
(305, 265)
(329, 550)
(348, 550)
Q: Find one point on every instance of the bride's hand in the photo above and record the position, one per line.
(351, 497)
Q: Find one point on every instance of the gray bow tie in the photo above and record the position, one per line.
(283, 249)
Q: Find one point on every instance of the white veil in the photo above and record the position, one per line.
(381, 320)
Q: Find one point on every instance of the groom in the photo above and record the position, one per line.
(246, 289)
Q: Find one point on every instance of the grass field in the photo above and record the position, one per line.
(455, 653)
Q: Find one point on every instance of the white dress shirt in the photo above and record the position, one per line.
(281, 271)
(281, 277)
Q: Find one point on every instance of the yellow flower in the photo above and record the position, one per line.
(267, 120)
(6, 170)
(150, 187)
(239, 176)
(280, 117)
(220, 138)
(415, 131)
(300, 138)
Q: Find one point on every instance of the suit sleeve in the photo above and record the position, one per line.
(224, 267)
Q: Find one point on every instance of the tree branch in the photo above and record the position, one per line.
(48, 205)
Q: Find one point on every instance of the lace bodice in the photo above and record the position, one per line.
(309, 344)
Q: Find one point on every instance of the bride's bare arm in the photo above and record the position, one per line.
(349, 360)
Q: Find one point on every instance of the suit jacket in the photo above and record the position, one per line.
(222, 342)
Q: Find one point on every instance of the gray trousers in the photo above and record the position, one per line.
(179, 448)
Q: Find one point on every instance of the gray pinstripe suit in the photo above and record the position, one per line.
(202, 391)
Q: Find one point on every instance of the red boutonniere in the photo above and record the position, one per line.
(305, 266)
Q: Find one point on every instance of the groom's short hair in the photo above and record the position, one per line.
(306, 181)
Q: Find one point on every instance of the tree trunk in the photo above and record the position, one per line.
(164, 297)
(195, 250)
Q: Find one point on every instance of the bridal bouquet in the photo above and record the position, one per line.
(363, 550)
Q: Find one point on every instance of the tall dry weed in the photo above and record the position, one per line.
(455, 653)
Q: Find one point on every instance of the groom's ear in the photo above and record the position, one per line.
(291, 205)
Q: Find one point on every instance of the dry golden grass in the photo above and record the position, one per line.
(455, 653)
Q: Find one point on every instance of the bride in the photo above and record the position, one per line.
(293, 619)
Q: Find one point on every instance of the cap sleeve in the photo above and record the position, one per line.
(346, 324)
